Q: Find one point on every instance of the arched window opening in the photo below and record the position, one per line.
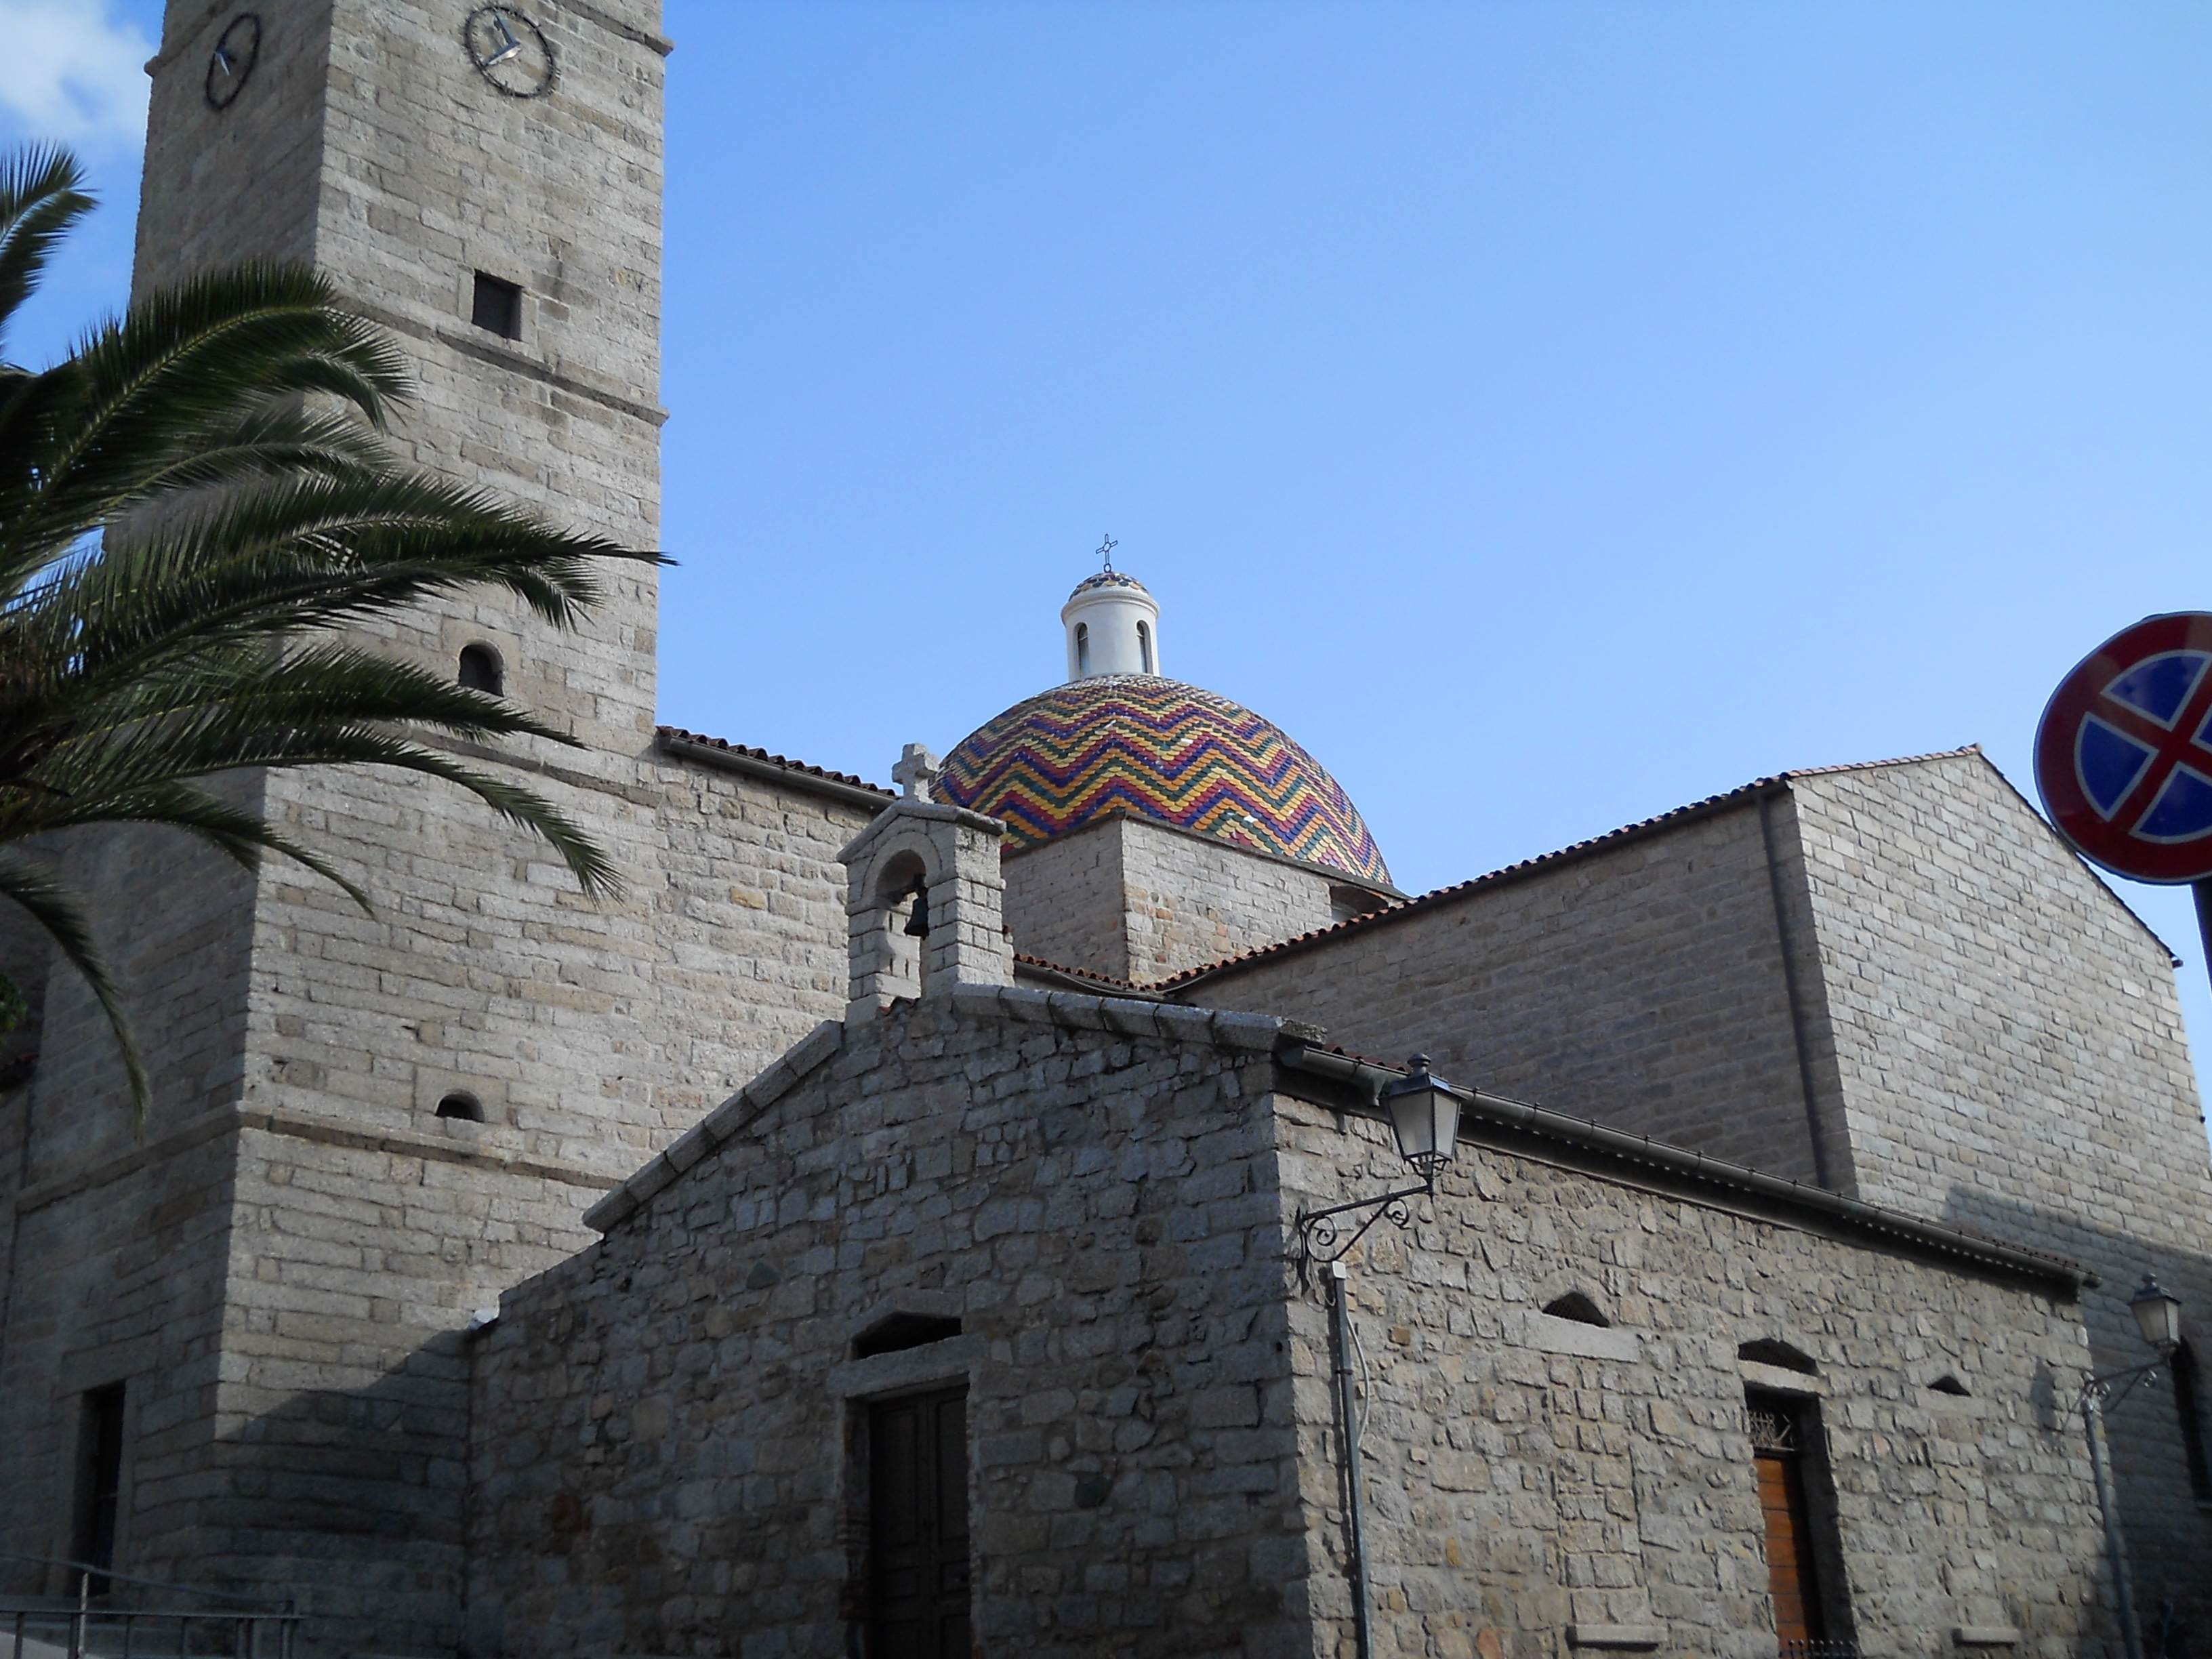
(1145, 646)
(480, 669)
(903, 1330)
(463, 1105)
(1577, 1306)
(1083, 647)
(1948, 1384)
(1768, 1352)
(2188, 1407)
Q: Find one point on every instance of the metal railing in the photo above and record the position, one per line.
(117, 1615)
(1819, 1650)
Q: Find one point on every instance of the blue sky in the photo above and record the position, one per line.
(1548, 414)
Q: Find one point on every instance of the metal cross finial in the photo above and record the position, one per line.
(917, 772)
(1106, 552)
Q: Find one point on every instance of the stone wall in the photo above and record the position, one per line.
(670, 1447)
(1641, 982)
(2009, 1046)
(666, 1456)
(1537, 1485)
(120, 1228)
(1064, 901)
(1143, 900)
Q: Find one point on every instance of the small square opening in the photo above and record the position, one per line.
(498, 306)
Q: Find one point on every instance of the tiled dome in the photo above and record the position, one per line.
(1137, 745)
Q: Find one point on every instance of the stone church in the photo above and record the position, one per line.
(892, 1227)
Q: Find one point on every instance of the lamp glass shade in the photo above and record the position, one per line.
(1425, 1116)
(2158, 1315)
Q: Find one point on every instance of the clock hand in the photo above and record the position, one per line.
(222, 60)
(507, 34)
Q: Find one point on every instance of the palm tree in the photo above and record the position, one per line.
(193, 505)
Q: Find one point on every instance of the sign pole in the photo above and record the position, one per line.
(2203, 891)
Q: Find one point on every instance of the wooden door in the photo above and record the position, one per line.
(918, 1527)
(1790, 1573)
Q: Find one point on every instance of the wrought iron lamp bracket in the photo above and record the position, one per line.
(2100, 1389)
(1319, 1238)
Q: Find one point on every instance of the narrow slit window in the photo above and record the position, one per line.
(1145, 646)
(498, 306)
(2189, 1409)
(1083, 647)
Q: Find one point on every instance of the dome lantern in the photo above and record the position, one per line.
(1113, 626)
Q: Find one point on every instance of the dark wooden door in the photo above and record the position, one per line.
(1790, 1570)
(918, 1527)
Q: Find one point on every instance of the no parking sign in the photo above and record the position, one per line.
(2123, 756)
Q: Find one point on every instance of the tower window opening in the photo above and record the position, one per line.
(1083, 647)
(480, 669)
(100, 1479)
(1145, 646)
(498, 306)
(462, 1105)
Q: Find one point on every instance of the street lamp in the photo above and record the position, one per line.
(2158, 1316)
(1424, 1113)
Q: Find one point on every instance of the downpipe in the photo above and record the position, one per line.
(1347, 1406)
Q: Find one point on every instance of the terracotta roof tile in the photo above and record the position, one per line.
(1091, 974)
(676, 733)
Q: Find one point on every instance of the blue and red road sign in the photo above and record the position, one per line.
(2123, 756)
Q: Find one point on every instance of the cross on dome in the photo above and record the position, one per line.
(1106, 552)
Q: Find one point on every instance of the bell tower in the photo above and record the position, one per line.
(484, 181)
(365, 1128)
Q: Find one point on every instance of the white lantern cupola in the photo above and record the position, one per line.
(1113, 627)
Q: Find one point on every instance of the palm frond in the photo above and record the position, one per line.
(58, 909)
(138, 392)
(41, 198)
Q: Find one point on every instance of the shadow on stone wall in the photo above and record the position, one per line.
(353, 1501)
(2167, 1530)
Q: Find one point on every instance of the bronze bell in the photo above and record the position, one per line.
(917, 925)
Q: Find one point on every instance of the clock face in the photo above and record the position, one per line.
(510, 50)
(237, 49)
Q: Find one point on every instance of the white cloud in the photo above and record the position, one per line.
(69, 71)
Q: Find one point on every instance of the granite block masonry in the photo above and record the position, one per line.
(1086, 1204)
(1887, 984)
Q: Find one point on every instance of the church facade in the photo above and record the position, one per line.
(880, 1231)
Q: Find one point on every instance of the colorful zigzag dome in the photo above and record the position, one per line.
(1137, 746)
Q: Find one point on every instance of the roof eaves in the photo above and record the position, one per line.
(675, 741)
(1081, 977)
(1622, 1147)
